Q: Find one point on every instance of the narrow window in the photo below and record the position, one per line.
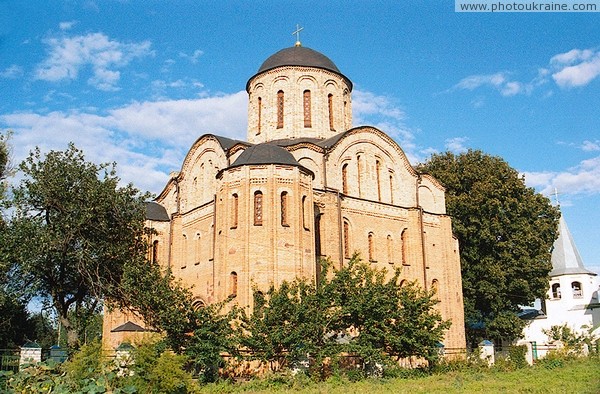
(403, 239)
(233, 279)
(155, 252)
(318, 236)
(280, 109)
(435, 286)
(259, 104)
(359, 170)
(577, 292)
(390, 249)
(198, 248)
(258, 208)
(234, 210)
(184, 251)
(211, 246)
(284, 209)
(391, 189)
(378, 176)
(371, 248)
(345, 178)
(346, 240)
(556, 291)
(305, 213)
(330, 107)
(307, 114)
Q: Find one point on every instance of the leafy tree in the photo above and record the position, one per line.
(505, 231)
(359, 310)
(73, 233)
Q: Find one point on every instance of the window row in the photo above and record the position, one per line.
(379, 178)
(258, 210)
(391, 249)
(576, 290)
(307, 110)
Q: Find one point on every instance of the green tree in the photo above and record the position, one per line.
(505, 231)
(358, 309)
(73, 232)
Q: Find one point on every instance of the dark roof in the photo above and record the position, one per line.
(155, 211)
(299, 56)
(129, 327)
(265, 153)
(565, 256)
(228, 143)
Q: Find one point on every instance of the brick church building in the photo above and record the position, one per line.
(305, 185)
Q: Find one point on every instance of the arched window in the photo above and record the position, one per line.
(556, 291)
(390, 249)
(359, 172)
(346, 240)
(577, 291)
(259, 109)
(198, 248)
(305, 213)
(198, 304)
(233, 283)
(371, 248)
(184, 251)
(258, 208)
(435, 286)
(155, 252)
(234, 210)
(330, 107)
(307, 109)
(403, 240)
(345, 178)
(378, 176)
(280, 109)
(284, 209)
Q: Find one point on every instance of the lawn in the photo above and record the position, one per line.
(578, 376)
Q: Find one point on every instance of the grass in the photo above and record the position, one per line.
(576, 376)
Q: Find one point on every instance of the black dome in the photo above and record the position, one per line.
(298, 56)
(265, 154)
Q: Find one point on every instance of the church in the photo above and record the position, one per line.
(306, 185)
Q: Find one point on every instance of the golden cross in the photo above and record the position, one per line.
(297, 34)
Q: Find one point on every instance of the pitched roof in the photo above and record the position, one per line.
(155, 211)
(129, 327)
(565, 256)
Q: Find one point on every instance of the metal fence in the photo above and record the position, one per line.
(9, 359)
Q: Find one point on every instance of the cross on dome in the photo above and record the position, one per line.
(297, 34)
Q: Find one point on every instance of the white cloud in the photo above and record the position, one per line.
(581, 179)
(575, 67)
(69, 55)
(12, 72)
(591, 146)
(499, 81)
(146, 139)
(383, 113)
(456, 145)
(67, 25)
(193, 58)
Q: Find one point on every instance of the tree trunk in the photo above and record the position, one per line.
(72, 335)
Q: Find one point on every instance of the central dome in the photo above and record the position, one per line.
(298, 56)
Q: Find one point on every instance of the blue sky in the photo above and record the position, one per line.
(136, 82)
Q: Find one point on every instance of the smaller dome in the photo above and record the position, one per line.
(265, 154)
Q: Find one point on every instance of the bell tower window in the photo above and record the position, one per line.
(307, 114)
(258, 208)
(280, 109)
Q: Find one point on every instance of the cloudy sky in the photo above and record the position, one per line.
(137, 82)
